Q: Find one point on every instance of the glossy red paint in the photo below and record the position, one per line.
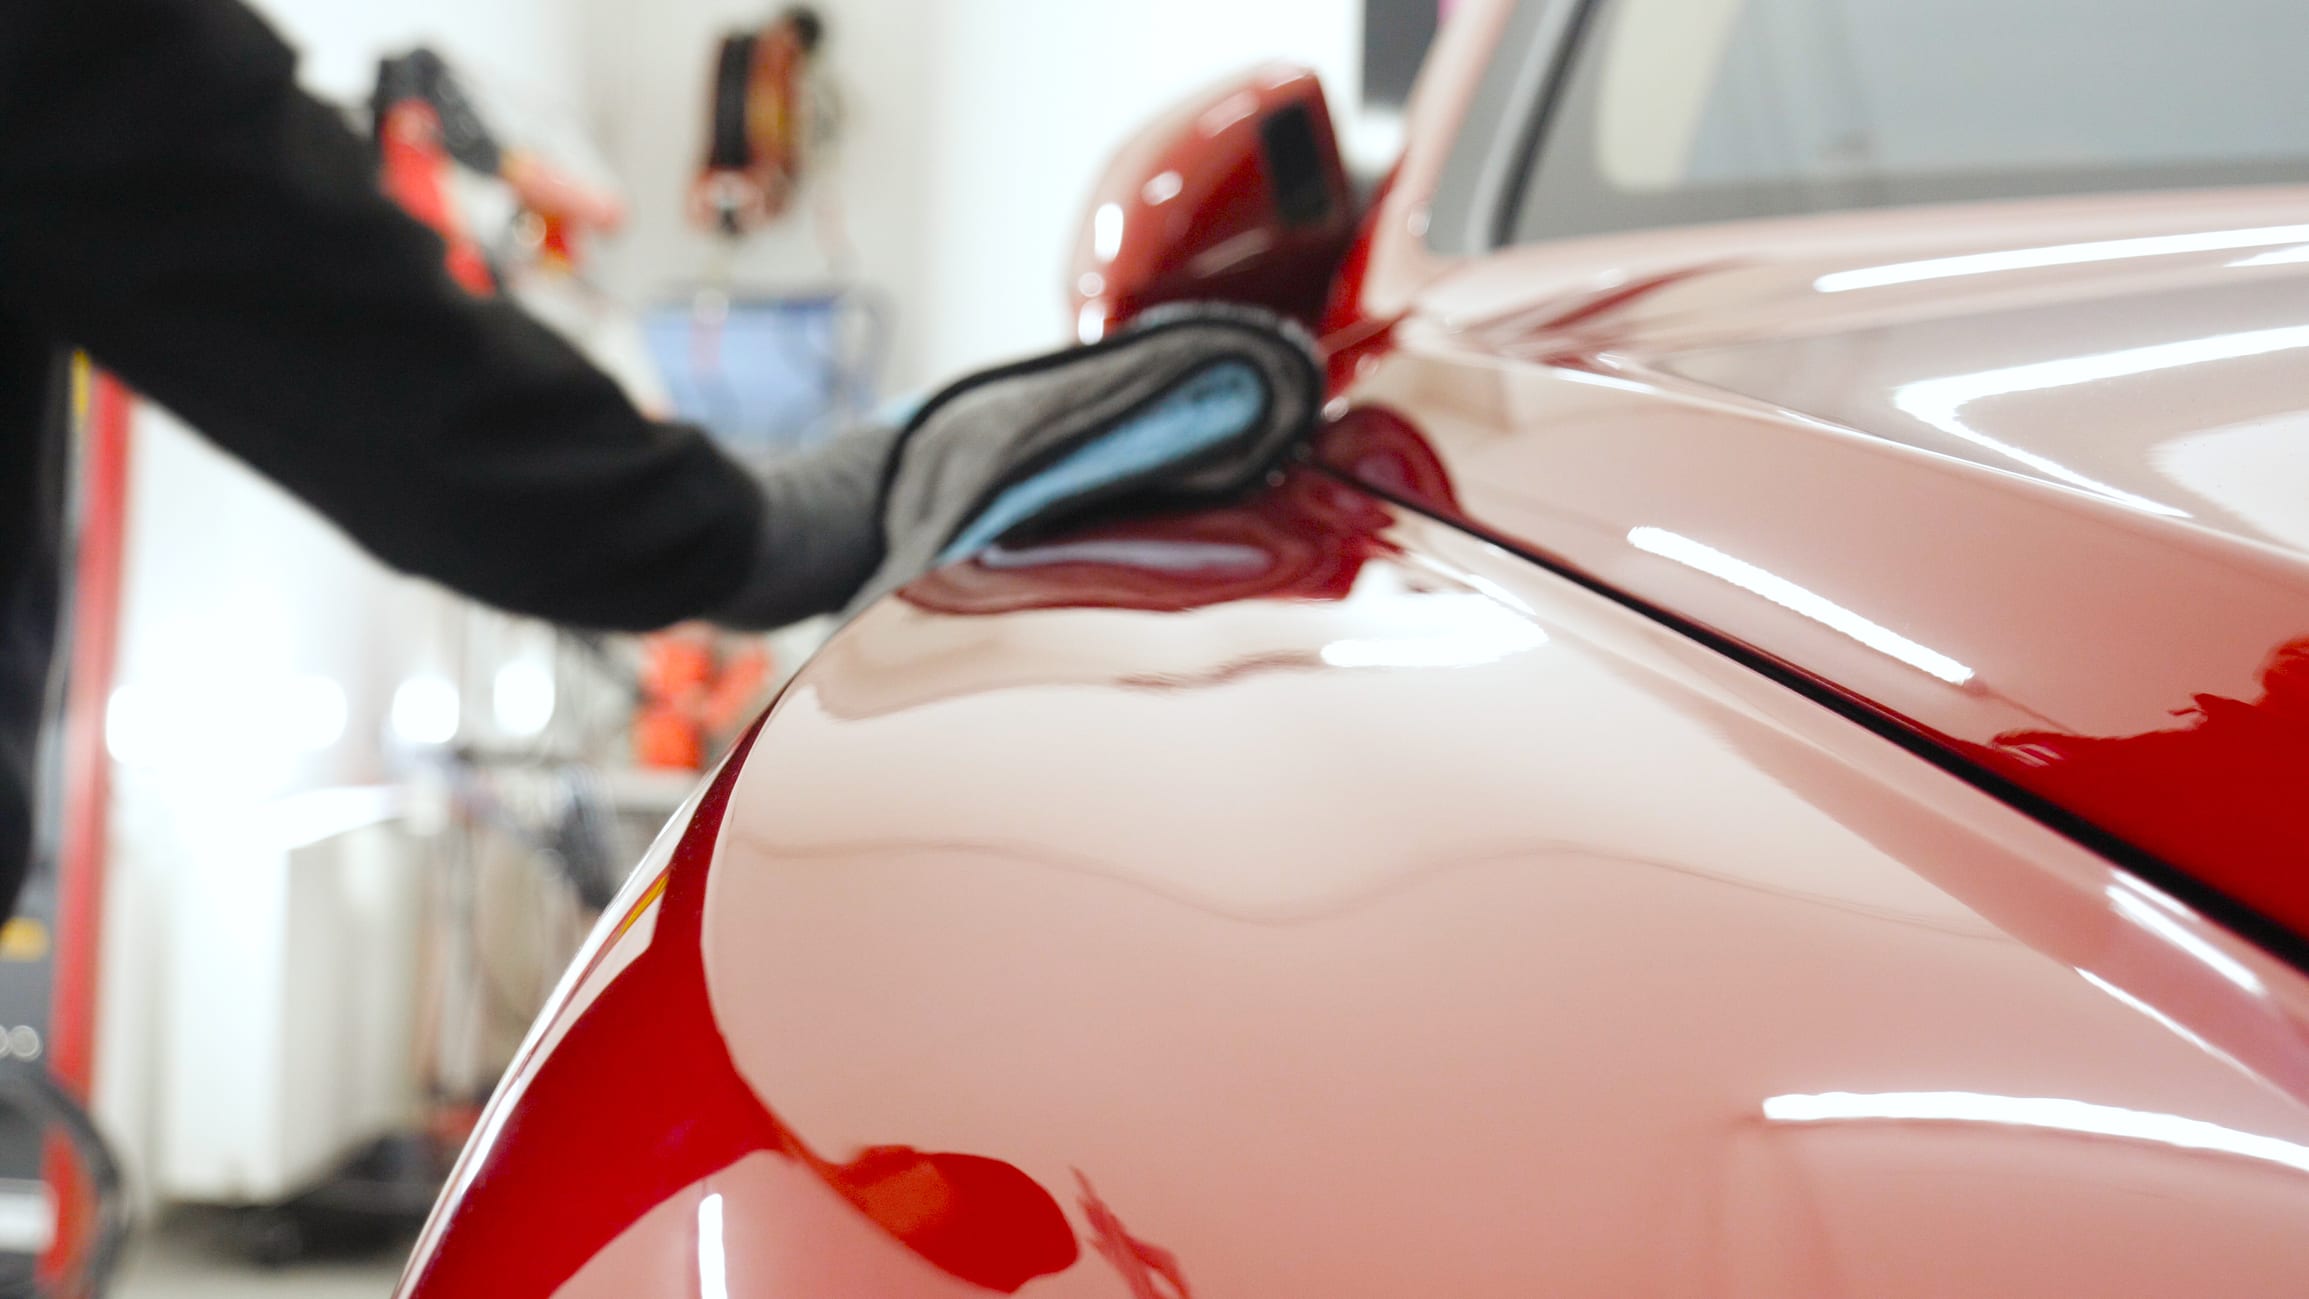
(629, 1097)
(1453, 931)
(1386, 452)
(1767, 400)
(2033, 516)
(1190, 209)
(1309, 541)
(1314, 898)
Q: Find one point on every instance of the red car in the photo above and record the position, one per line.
(1765, 751)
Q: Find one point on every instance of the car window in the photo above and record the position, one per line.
(1671, 112)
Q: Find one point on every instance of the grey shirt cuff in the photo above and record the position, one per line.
(821, 536)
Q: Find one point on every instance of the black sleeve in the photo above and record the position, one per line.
(170, 201)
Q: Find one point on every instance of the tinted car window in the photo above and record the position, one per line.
(1681, 111)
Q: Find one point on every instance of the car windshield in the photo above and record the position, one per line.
(1682, 111)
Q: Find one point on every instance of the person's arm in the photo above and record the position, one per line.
(173, 203)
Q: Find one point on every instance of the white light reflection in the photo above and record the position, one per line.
(1467, 651)
(2026, 259)
(2146, 912)
(522, 696)
(2161, 1019)
(1937, 402)
(713, 1263)
(1163, 188)
(1499, 593)
(2045, 1113)
(1224, 115)
(1796, 599)
(1153, 556)
(426, 710)
(2282, 257)
(1106, 232)
(1595, 380)
(1471, 631)
(1090, 325)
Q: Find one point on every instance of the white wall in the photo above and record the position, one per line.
(1036, 96)
(648, 61)
(976, 128)
(531, 47)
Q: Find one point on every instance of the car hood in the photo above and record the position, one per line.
(1311, 899)
(2029, 482)
(2175, 384)
(2149, 351)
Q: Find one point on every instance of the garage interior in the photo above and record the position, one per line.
(319, 841)
(355, 824)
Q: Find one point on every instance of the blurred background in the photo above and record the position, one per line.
(350, 827)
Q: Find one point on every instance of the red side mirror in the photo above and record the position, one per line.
(1237, 195)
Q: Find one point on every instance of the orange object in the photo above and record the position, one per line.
(106, 422)
(416, 175)
(692, 692)
(564, 207)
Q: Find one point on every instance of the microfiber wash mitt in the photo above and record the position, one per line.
(1191, 403)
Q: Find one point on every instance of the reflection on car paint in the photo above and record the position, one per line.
(895, 941)
(1307, 539)
(1940, 402)
(642, 1071)
(2050, 1114)
(1796, 599)
(2245, 764)
(2002, 640)
(1140, 1263)
(2032, 259)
